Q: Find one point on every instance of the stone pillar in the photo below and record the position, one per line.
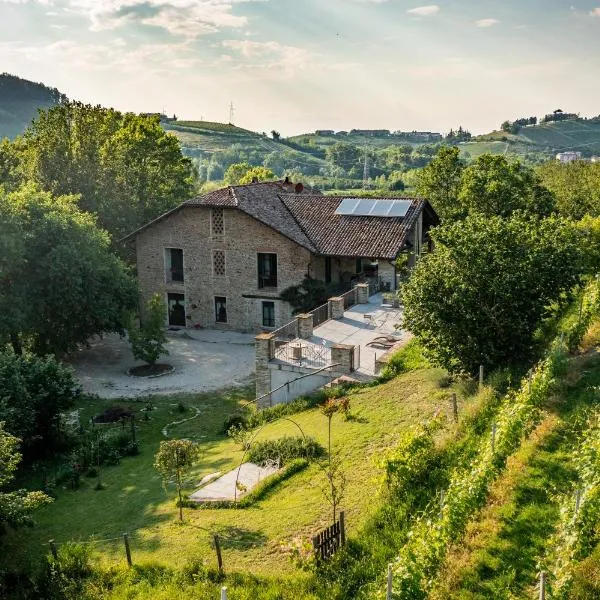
(305, 326)
(336, 307)
(344, 355)
(264, 352)
(362, 293)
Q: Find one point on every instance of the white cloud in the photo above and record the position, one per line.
(487, 22)
(270, 54)
(424, 11)
(595, 12)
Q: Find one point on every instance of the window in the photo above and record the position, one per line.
(220, 309)
(219, 262)
(268, 314)
(267, 270)
(216, 222)
(328, 269)
(176, 305)
(174, 264)
(359, 265)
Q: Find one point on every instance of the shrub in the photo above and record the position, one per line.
(148, 342)
(285, 449)
(113, 414)
(237, 420)
(408, 358)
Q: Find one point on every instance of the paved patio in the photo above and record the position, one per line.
(361, 324)
(224, 488)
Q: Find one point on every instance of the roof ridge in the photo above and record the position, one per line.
(302, 229)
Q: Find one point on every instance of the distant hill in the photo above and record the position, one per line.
(20, 100)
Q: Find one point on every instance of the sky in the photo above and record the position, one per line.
(300, 65)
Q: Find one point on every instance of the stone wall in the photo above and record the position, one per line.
(243, 238)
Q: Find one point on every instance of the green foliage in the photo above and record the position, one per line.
(440, 181)
(408, 358)
(173, 459)
(15, 506)
(575, 185)
(148, 341)
(46, 240)
(33, 393)
(126, 168)
(438, 527)
(307, 295)
(235, 172)
(285, 449)
(412, 462)
(479, 298)
(493, 185)
(257, 174)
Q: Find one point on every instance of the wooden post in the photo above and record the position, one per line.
(53, 549)
(218, 551)
(388, 595)
(223, 593)
(455, 408)
(442, 498)
(493, 438)
(316, 548)
(480, 376)
(127, 549)
(577, 500)
(342, 528)
(542, 585)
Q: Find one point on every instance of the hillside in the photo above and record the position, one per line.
(20, 100)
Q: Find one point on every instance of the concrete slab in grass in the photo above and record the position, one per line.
(224, 488)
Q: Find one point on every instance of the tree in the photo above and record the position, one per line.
(126, 168)
(257, 174)
(493, 185)
(275, 134)
(15, 507)
(60, 282)
(33, 393)
(576, 187)
(344, 155)
(173, 459)
(479, 297)
(334, 475)
(440, 182)
(148, 341)
(235, 172)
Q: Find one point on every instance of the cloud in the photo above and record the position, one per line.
(270, 54)
(424, 11)
(595, 12)
(187, 18)
(486, 22)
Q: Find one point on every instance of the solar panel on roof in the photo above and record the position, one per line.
(373, 207)
(380, 208)
(347, 206)
(400, 208)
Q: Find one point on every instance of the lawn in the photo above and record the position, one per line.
(134, 500)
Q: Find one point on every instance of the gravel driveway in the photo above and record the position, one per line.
(203, 360)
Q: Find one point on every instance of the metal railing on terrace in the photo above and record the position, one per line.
(320, 314)
(288, 332)
(350, 298)
(304, 354)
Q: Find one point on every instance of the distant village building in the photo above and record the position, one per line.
(225, 257)
(371, 132)
(567, 157)
(324, 132)
(420, 136)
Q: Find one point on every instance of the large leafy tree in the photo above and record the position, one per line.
(60, 282)
(16, 506)
(440, 181)
(126, 168)
(575, 185)
(493, 185)
(34, 392)
(480, 296)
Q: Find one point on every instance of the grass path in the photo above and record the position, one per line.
(499, 554)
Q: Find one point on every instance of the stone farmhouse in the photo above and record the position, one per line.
(222, 260)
